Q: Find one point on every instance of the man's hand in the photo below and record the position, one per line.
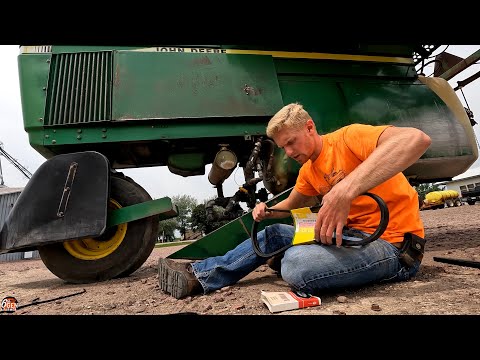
(332, 216)
(260, 213)
(293, 201)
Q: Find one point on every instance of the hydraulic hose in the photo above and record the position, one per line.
(384, 218)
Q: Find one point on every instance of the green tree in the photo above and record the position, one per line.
(166, 229)
(199, 218)
(186, 204)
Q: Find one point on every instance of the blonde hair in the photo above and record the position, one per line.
(292, 116)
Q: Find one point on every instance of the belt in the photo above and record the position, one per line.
(398, 245)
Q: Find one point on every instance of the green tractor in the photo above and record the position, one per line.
(92, 111)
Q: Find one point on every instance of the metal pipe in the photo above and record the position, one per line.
(223, 164)
(467, 81)
(462, 65)
(460, 262)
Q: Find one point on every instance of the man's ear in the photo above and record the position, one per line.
(310, 125)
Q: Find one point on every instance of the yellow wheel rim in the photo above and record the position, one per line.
(93, 248)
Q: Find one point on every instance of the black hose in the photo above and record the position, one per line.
(384, 218)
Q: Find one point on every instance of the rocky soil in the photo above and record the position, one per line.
(438, 288)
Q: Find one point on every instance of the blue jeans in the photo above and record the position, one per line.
(308, 268)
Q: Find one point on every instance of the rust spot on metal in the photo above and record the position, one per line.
(204, 60)
(250, 90)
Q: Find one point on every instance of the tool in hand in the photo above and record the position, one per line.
(384, 217)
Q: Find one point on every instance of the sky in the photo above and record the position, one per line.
(158, 181)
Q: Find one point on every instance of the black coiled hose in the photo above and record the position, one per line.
(384, 218)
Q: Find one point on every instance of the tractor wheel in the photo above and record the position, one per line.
(118, 252)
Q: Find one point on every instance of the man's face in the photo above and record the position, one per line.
(298, 144)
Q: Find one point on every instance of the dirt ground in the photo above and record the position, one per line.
(438, 288)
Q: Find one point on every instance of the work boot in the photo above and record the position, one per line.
(275, 263)
(177, 278)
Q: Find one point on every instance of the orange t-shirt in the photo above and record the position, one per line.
(342, 151)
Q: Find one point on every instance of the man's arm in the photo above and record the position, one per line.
(293, 201)
(397, 149)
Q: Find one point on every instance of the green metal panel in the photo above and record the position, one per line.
(33, 72)
(171, 129)
(150, 85)
(228, 236)
(36, 138)
(339, 101)
(322, 97)
(187, 161)
(406, 105)
(162, 206)
(344, 68)
(380, 103)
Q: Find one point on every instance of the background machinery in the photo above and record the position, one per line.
(14, 162)
(440, 199)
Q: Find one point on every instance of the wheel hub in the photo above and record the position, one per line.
(101, 246)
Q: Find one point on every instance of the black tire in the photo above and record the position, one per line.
(134, 242)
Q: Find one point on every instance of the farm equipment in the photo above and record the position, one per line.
(440, 199)
(94, 110)
(471, 196)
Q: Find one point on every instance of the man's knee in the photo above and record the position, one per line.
(277, 229)
(293, 266)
